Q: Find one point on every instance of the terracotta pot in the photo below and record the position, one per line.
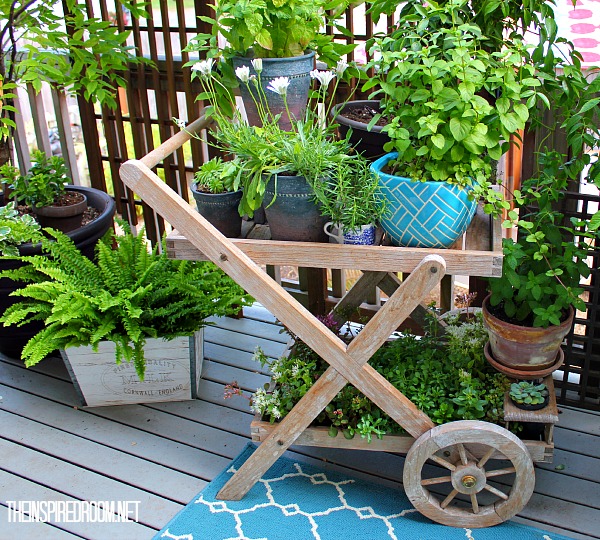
(524, 348)
(64, 218)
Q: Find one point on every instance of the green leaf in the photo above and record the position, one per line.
(460, 128)
(264, 39)
(438, 140)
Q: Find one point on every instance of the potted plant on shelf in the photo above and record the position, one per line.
(529, 395)
(453, 106)
(216, 191)
(351, 198)
(532, 306)
(277, 166)
(112, 317)
(43, 190)
(282, 35)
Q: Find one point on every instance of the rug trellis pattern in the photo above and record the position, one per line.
(297, 501)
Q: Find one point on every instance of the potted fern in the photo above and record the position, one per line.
(128, 324)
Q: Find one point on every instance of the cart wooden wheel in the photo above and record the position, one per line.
(468, 450)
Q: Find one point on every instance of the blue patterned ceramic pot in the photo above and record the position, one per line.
(423, 214)
(363, 236)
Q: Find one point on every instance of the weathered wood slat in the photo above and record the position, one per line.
(250, 327)
(15, 488)
(154, 448)
(243, 342)
(77, 483)
(349, 257)
(74, 449)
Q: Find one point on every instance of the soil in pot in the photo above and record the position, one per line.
(357, 115)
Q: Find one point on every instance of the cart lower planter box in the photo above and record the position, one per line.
(173, 370)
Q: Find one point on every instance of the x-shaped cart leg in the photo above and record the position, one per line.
(348, 363)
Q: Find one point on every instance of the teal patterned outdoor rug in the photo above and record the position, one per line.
(296, 501)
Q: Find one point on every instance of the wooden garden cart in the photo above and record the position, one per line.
(468, 451)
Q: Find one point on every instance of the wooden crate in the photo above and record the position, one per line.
(173, 369)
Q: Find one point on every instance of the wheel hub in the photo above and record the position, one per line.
(468, 478)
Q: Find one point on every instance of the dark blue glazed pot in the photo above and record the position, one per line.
(423, 214)
(297, 69)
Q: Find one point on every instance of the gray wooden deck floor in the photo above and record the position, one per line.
(164, 454)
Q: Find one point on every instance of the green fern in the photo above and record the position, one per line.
(129, 294)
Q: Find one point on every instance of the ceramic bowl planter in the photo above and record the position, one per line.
(423, 214)
(291, 211)
(533, 352)
(364, 236)
(365, 142)
(220, 209)
(296, 68)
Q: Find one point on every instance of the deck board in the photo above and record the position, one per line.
(166, 452)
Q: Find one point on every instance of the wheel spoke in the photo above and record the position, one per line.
(442, 462)
(485, 458)
(462, 453)
(439, 480)
(496, 492)
(474, 503)
(449, 498)
(500, 472)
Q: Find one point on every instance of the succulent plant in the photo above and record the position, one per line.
(528, 392)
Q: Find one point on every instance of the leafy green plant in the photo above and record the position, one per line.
(16, 229)
(351, 194)
(454, 105)
(127, 296)
(543, 267)
(43, 184)
(446, 377)
(528, 392)
(218, 176)
(267, 29)
(68, 49)
(308, 149)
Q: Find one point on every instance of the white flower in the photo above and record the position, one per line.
(341, 66)
(243, 73)
(279, 85)
(276, 413)
(324, 77)
(179, 123)
(257, 64)
(204, 67)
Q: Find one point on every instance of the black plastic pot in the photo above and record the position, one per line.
(365, 142)
(221, 210)
(14, 338)
(532, 407)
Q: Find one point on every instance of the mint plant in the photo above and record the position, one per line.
(43, 184)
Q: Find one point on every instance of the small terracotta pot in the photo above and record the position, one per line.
(64, 218)
(524, 348)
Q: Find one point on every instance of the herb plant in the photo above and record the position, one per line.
(447, 378)
(128, 295)
(454, 105)
(543, 267)
(528, 392)
(43, 184)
